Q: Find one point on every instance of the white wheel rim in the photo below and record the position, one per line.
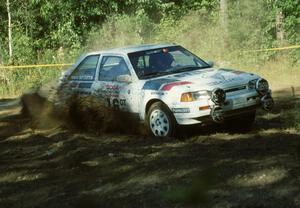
(159, 123)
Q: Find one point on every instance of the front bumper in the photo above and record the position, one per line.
(229, 114)
(234, 106)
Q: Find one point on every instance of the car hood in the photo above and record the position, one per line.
(204, 79)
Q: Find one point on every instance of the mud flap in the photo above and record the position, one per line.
(217, 114)
(267, 102)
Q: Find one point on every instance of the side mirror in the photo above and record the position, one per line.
(124, 78)
(210, 63)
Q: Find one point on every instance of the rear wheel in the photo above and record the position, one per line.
(160, 120)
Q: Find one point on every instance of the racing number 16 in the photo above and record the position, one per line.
(115, 103)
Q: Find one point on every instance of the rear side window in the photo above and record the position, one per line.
(86, 70)
(112, 67)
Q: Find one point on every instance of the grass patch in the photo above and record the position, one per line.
(14, 82)
(292, 117)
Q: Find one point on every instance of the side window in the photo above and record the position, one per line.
(140, 63)
(86, 70)
(112, 67)
(143, 62)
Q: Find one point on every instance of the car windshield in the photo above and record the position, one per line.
(163, 61)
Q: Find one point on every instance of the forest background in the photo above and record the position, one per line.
(226, 31)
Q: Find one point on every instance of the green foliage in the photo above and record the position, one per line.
(68, 25)
(121, 30)
(23, 50)
(195, 31)
(59, 31)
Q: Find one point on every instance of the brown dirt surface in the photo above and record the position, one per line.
(50, 165)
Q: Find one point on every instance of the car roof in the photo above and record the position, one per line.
(133, 48)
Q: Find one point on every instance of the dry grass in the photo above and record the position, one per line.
(279, 72)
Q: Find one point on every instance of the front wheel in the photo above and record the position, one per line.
(160, 120)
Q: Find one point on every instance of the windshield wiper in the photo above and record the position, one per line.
(156, 73)
(176, 70)
(188, 68)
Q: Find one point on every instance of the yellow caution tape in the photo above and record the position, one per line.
(61, 65)
(34, 66)
(274, 49)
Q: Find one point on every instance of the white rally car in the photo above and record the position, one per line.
(166, 85)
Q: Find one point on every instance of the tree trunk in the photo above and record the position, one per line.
(279, 26)
(1, 61)
(224, 21)
(9, 32)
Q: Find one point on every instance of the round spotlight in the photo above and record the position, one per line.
(218, 96)
(262, 86)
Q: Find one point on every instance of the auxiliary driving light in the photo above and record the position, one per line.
(262, 86)
(218, 96)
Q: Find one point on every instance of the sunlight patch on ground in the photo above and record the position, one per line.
(102, 161)
(279, 131)
(4, 124)
(9, 112)
(270, 116)
(50, 132)
(90, 163)
(144, 180)
(20, 137)
(9, 108)
(259, 178)
(103, 189)
(154, 155)
(55, 147)
(227, 136)
(165, 144)
(19, 176)
(183, 173)
(12, 103)
(124, 168)
(129, 155)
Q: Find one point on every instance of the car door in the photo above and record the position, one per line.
(82, 78)
(114, 85)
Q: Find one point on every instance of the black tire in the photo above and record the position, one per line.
(160, 121)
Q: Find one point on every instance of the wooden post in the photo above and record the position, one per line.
(293, 91)
(9, 31)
